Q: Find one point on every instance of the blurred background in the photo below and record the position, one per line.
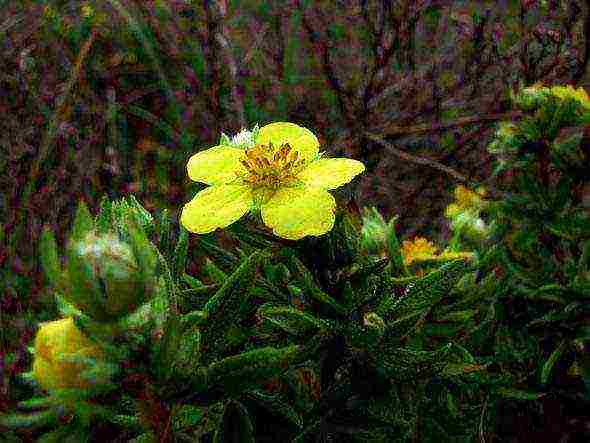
(112, 97)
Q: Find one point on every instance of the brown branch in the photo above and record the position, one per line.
(493, 192)
(394, 130)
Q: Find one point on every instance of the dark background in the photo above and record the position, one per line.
(115, 100)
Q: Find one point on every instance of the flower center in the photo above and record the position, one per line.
(270, 167)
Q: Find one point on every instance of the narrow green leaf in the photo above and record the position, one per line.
(49, 257)
(235, 426)
(34, 420)
(274, 404)
(397, 266)
(36, 403)
(215, 274)
(104, 220)
(519, 394)
(83, 222)
(553, 358)
(193, 282)
(251, 369)
(292, 320)
(180, 254)
(224, 140)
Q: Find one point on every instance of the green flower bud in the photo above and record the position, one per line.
(106, 280)
(374, 232)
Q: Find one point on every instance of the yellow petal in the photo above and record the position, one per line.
(299, 138)
(296, 212)
(43, 373)
(215, 166)
(54, 343)
(330, 173)
(216, 207)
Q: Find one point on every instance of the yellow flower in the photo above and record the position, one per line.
(283, 175)
(54, 343)
(565, 92)
(419, 248)
(87, 10)
(468, 199)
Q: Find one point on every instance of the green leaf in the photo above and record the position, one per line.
(193, 282)
(251, 369)
(519, 394)
(83, 222)
(397, 266)
(224, 307)
(49, 257)
(274, 404)
(426, 292)
(186, 416)
(553, 358)
(292, 320)
(309, 286)
(180, 253)
(235, 425)
(215, 274)
(34, 420)
(65, 434)
(164, 234)
(104, 220)
(194, 318)
(224, 140)
(36, 403)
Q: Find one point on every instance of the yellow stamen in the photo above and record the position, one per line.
(270, 167)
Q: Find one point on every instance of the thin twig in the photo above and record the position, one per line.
(393, 130)
(493, 192)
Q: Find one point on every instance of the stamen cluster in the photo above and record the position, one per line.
(269, 167)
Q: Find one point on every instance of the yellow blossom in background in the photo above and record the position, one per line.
(54, 343)
(465, 200)
(87, 10)
(282, 174)
(418, 248)
(49, 12)
(565, 92)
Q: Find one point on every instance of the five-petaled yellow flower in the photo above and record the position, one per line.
(282, 174)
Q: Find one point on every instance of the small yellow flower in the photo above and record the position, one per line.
(49, 12)
(87, 10)
(418, 248)
(468, 199)
(565, 92)
(54, 343)
(283, 175)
